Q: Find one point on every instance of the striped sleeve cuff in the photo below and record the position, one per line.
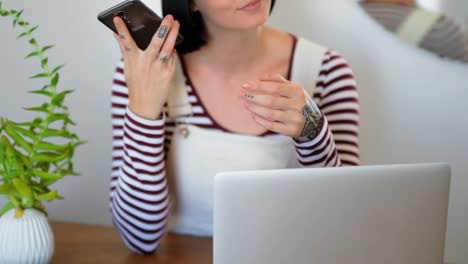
(318, 152)
(145, 123)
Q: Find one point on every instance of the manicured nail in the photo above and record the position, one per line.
(246, 86)
(249, 96)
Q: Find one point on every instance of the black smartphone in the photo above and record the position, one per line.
(141, 21)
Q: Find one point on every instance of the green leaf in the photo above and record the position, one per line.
(7, 207)
(14, 201)
(18, 138)
(25, 132)
(40, 75)
(33, 41)
(55, 80)
(23, 188)
(43, 108)
(40, 189)
(37, 122)
(49, 157)
(53, 147)
(44, 166)
(58, 99)
(57, 133)
(48, 196)
(32, 29)
(43, 92)
(44, 62)
(46, 176)
(6, 189)
(32, 54)
(6, 156)
(46, 48)
(2, 151)
(17, 17)
(63, 117)
(22, 35)
(56, 69)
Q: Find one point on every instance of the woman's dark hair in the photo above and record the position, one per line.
(192, 26)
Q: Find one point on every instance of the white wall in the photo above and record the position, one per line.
(413, 105)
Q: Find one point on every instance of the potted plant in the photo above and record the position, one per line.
(33, 156)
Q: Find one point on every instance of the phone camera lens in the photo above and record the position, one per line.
(121, 14)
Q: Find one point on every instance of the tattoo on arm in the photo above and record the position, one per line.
(313, 120)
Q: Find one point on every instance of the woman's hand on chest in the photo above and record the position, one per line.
(282, 107)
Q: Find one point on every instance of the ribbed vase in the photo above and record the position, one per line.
(25, 240)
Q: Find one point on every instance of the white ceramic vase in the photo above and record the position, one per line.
(25, 240)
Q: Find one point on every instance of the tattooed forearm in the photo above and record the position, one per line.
(313, 120)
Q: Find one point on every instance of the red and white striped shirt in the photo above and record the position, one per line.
(139, 198)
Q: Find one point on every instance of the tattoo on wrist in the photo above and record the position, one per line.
(162, 31)
(313, 121)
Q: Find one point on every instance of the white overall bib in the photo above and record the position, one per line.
(193, 161)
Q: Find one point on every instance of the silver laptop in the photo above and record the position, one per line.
(353, 215)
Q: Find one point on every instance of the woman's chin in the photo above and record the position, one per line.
(253, 22)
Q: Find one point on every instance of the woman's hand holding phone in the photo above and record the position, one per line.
(149, 73)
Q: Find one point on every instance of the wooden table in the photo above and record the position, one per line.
(78, 243)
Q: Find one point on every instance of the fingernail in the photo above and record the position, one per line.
(249, 96)
(246, 86)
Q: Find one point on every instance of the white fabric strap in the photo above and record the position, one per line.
(178, 100)
(417, 25)
(307, 63)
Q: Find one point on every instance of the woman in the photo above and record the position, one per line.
(245, 112)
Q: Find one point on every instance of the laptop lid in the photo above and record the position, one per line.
(350, 215)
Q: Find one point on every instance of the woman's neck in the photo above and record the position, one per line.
(231, 51)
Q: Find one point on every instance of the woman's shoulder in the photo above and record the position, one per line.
(330, 57)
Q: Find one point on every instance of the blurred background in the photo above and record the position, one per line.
(413, 102)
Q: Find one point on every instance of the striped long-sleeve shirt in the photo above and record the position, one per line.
(139, 198)
(446, 37)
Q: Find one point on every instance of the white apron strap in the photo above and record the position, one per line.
(308, 60)
(178, 103)
(417, 25)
